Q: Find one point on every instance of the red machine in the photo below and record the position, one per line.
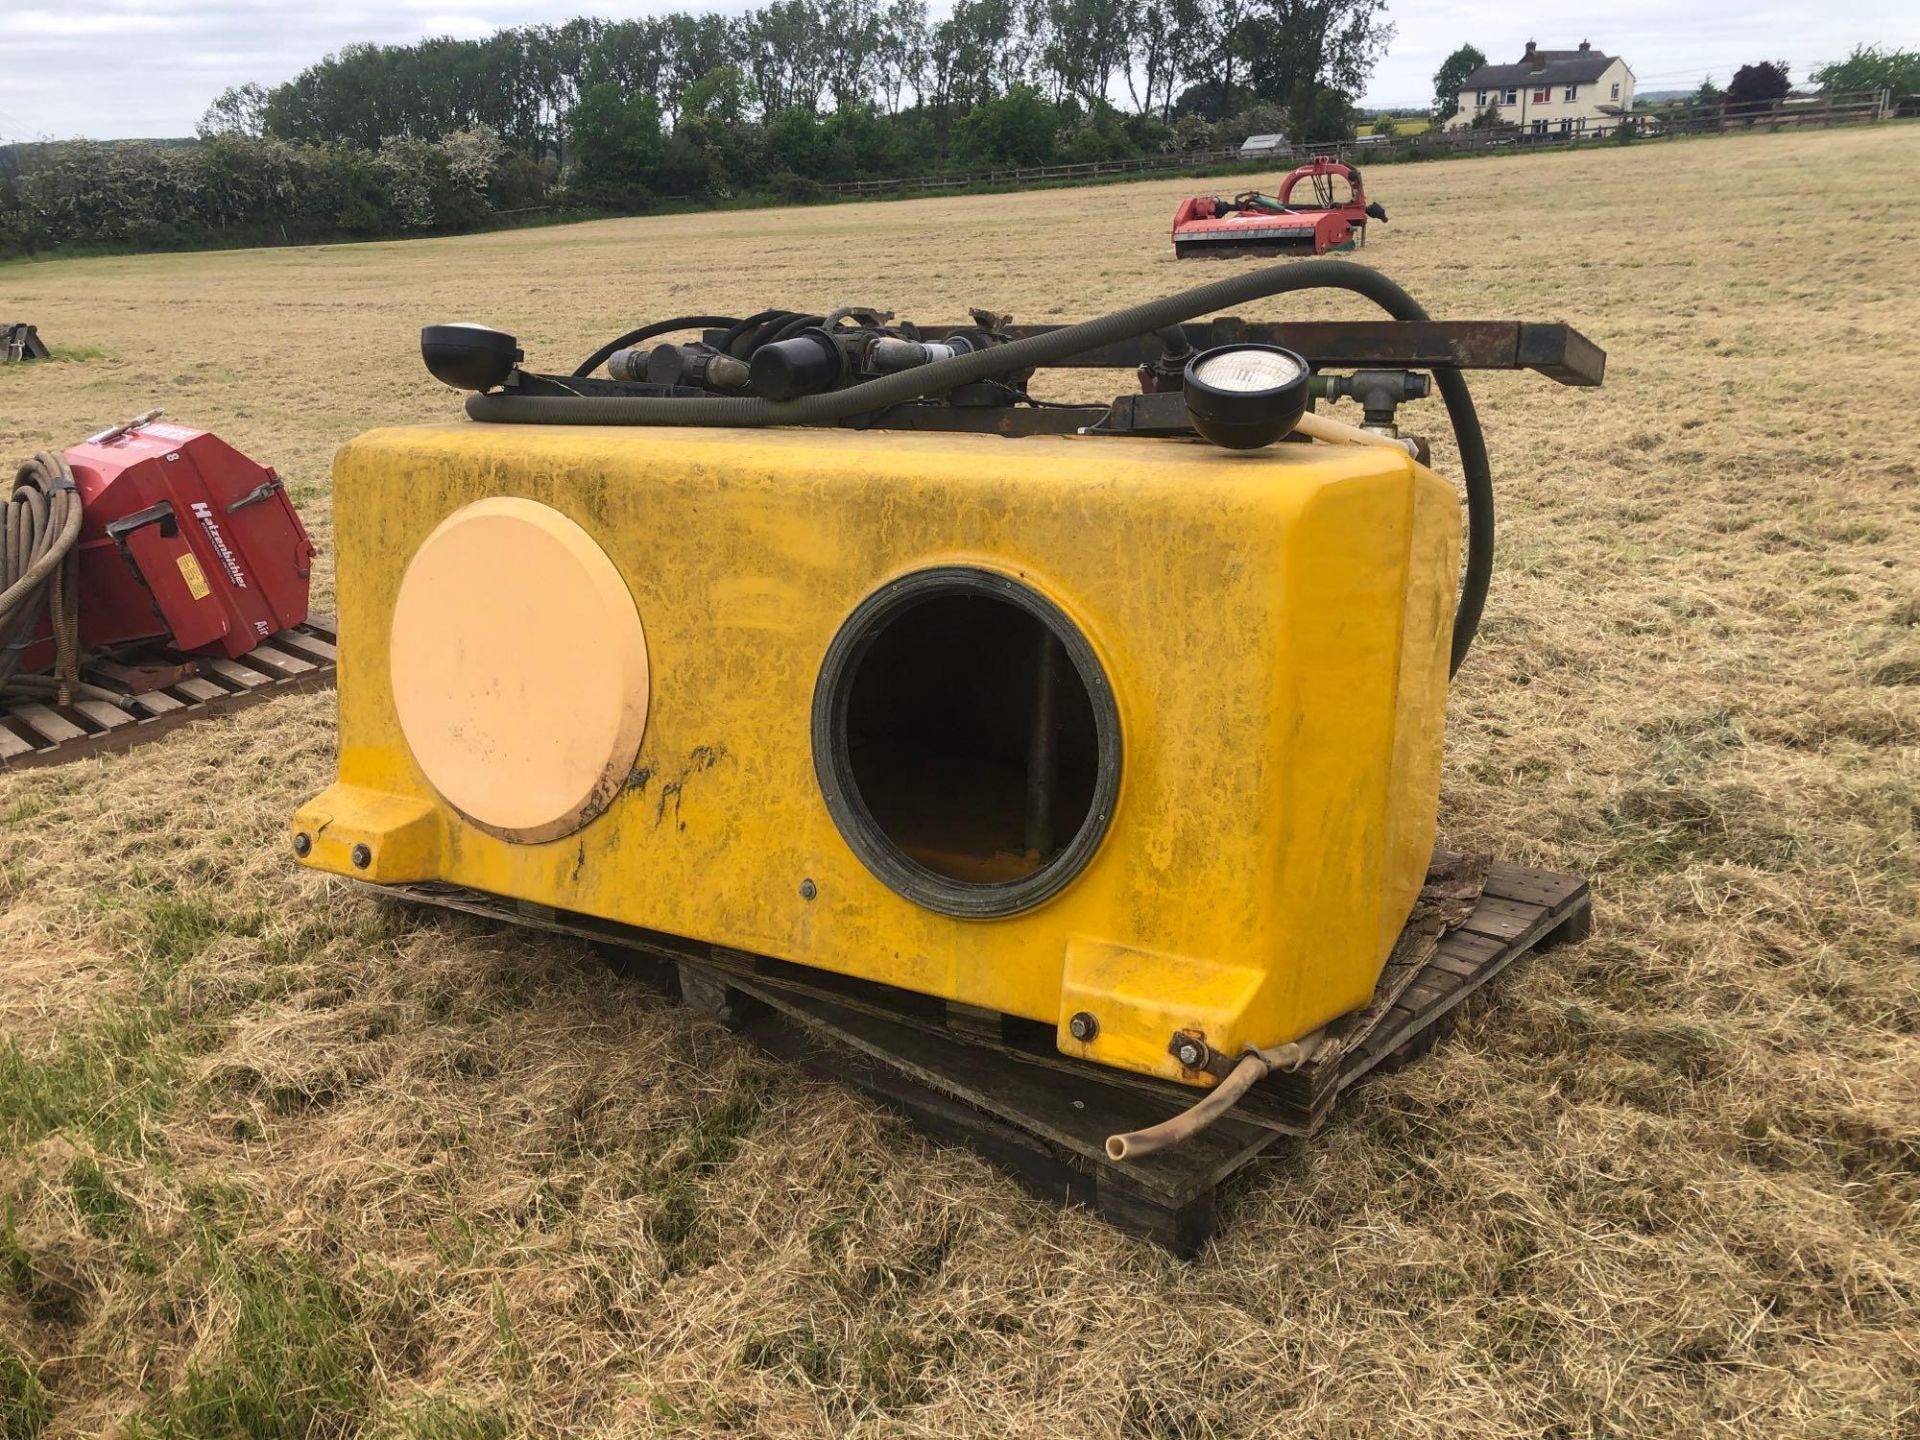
(182, 539)
(1207, 227)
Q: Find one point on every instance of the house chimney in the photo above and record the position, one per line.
(1532, 58)
(1585, 45)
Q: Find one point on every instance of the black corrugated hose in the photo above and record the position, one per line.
(40, 568)
(1052, 348)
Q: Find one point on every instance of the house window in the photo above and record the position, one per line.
(1480, 101)
(1539, 127)
(1543, 94)
(1566, 127)
(1513, 97)
(1616, 90)
(1573, 93)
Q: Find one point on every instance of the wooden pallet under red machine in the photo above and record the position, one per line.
(160, 691)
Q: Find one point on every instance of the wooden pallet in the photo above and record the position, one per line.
(163, 691)
(996, 1083)
(21, 342)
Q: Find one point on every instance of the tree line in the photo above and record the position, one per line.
(820, 57)
(600, 115)
(621, 114)
(245, 190)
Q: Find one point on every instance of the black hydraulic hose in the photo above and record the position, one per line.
(646, 332)
(764, 334)
(753, 323)
(1050, 349)
(1476, 470)
(793, 327)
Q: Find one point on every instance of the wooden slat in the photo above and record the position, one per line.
(1530, 887)
(46, 724)
(279, 660)
(156, 702)
(1474, 950)
(107, 717)
(12, 745)
(198, 689)
(239, 674)
(314, 647)
(1503, 919)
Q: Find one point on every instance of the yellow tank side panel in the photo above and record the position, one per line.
(1426, 645)
(1273, 624)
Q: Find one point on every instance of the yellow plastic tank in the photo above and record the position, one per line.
(1132, 737)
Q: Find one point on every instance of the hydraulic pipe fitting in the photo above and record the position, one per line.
(888, 353)
(1169, 372)
(1380, 393)
(699, 366)
(629, 364)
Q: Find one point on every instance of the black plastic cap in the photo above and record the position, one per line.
(469, 357)
(1240, 419)
(666, 365)
(804, 365)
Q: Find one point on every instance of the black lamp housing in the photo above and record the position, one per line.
(1245, 419)
(469, 357)
(806, 364)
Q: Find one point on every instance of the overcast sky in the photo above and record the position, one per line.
(112, 68)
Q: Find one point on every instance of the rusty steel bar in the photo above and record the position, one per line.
(1555, 350)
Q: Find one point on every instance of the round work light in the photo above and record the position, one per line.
(469, 357)
(1246, 396)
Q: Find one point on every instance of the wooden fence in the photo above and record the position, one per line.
(1043, 174)
(1663, 123)
(1864, 107)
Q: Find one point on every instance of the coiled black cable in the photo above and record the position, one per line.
(40, 569)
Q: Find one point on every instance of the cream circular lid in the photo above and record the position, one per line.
(519, 669)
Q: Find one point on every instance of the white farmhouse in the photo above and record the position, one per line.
(1558, 92)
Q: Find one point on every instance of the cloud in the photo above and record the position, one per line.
(460, 27)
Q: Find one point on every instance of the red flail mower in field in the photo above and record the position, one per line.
(1206, 227)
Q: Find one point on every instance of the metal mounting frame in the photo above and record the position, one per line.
(1553, 349)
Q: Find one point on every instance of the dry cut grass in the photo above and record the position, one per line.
(277, 1161)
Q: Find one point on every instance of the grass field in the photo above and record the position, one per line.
(1402, 126)
(278, 1161)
